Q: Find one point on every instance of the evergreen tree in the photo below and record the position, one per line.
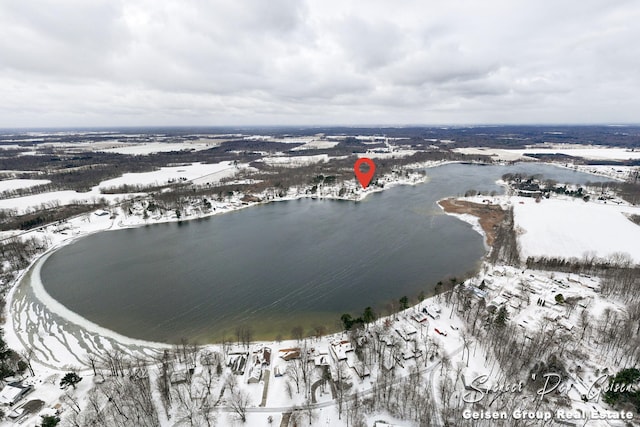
(368, 316)
(70, 379)
(49, 421)
(501, 317)
(347, 321)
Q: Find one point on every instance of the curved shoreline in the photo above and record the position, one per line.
(58, 308)
(16, 337)
(32, 272)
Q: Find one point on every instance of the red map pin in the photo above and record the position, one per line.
(364, 177)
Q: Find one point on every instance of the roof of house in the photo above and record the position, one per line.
(340, 349)
(12, 391)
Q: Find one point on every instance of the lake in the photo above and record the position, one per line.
(276, 266)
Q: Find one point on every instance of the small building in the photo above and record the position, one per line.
(406, 332)
(420, 317)
(179, 377)
(360, 369)
(565, 324)
(278, 371)
(237, 362)
(263, 356)
(290, 353)
(13, 392)
(321, 360)
(255, 374)
(429, 310)
(388, 340)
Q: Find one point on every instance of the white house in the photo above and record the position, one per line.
(13, 392)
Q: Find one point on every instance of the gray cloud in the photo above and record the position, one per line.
(202, 62)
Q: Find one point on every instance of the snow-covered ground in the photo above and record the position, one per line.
(54, 198)
(16, 184)
(316, 144)
(172, 174)
(295, 161)
(159, 147)
(198, 173)
(570, 228)
(618, 173)
(587, 153)
(498, 154)
(590, 152)
(61, 342)
(389, 155)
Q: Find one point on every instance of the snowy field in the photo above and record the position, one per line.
(169, 175)
(587, 153)
(390, 155)
(296, 161)
(620, 173)
(316, 144)
(591, 152)
(15, 184)
(160, 147)
(197, 173)
(54, 198)
(498, 154)
(569, 228)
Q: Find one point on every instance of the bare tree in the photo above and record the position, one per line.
(239, 402)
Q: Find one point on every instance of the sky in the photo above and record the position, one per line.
(318, 62)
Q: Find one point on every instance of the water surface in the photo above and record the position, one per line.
(276, 266)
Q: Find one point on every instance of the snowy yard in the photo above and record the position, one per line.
(569, 228)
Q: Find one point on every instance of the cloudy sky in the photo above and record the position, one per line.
(299, 62)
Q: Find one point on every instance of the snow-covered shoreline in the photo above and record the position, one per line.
(57, 308)
(83, 230)
(70, 343)
(472, 220)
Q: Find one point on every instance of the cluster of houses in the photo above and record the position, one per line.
(536, 289)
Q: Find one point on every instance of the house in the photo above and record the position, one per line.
(290, 353)
(406, 332)
(565, 324)
(263, 356)
(339, 349)
(13, 392)
(479, 293)
(179, 377)
(434, 307)
(420, 317)
(431, 312)
(255, 374)
(389, 340)
(237, 362)
(361, 370)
